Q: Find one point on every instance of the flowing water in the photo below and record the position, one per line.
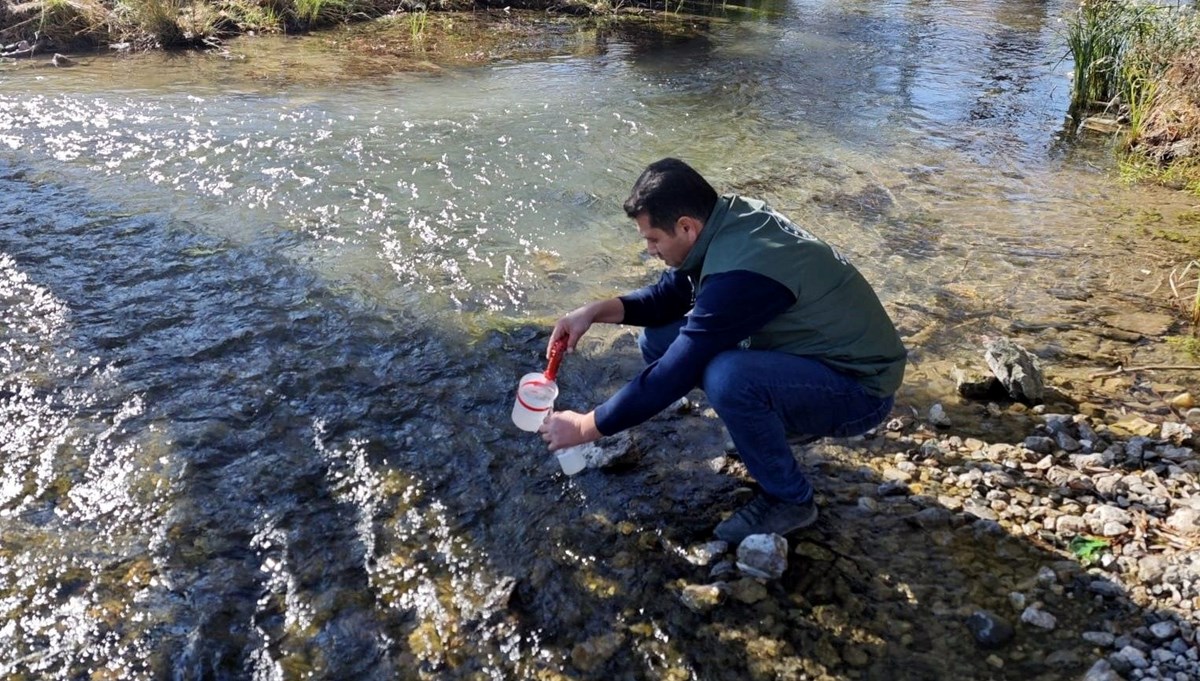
(263, 311)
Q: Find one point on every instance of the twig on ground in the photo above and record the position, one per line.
(1148, 367)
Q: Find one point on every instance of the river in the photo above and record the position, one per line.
(263, 310)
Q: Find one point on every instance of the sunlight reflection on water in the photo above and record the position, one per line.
(249, 460)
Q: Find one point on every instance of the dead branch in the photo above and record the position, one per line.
(1148, 367)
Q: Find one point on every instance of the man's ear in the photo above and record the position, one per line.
(689, 224)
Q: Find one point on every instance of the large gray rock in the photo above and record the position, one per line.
(1018, 370)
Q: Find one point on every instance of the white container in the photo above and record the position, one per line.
(571, 459)
(535, 397)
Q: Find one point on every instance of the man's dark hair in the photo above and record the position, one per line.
(668, 190)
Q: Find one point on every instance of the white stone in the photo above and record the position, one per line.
(938, 417)
(1171, 429)
(1164, 630)
(1045, 575)
(1038, 618)
(763, 555)
(704, 554)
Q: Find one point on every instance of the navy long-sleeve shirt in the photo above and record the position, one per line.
(732, 306)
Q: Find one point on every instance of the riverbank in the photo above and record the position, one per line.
(1002, 541)
(55, 25)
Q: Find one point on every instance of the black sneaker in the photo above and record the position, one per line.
(766, 515)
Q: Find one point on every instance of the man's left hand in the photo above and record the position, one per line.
(568, 428)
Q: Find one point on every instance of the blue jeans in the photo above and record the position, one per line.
(763, 396)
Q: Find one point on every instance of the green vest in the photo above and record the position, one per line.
(837, 318)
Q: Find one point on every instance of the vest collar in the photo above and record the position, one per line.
(695, 257)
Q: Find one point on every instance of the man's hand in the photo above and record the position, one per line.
(577, 322)
(567, 428)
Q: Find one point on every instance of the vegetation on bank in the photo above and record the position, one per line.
(1138, 65)
(62, 24)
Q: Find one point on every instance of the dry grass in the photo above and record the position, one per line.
(1171, 130)
(167, 23)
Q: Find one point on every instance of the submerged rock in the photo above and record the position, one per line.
(1039, 618)
(596, 651)
(702, 597)
(990, 630)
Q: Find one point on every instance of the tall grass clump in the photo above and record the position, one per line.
(1100, 36)
(417, 23)
(1136, 61)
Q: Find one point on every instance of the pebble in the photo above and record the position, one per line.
(1134, 657)
(1101, 671)
(1099, 638)
(702, 597)
(763, 555)
(990, 630)
(1039, 618)
(1164, 630)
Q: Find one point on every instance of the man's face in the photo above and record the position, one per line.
(672, 249)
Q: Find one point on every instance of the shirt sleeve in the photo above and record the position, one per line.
(731, 307)
(660, 303)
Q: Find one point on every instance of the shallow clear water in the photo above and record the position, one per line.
(250, 428)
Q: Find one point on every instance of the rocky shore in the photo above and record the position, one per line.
(1072, 551)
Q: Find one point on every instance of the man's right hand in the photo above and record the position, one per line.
(577, 322)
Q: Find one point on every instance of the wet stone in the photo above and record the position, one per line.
(763, 555)
(705, 554)
(855, 656)
(990, 630)
(702, 597)
(1062, 659)
(932, 517)
(724, 568)
(1039, 618)
(976, 385)
(596, 651)
(747, 591)
(813, 552)
(938, 418)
